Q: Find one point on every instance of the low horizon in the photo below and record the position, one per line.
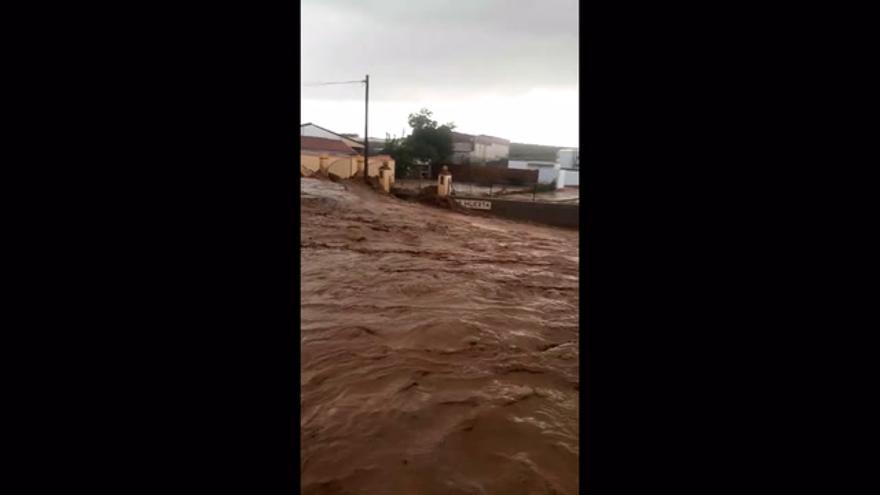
(374, 136)
(345, 116)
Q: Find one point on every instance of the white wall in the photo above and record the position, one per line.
(568, 158)
(546, 173)
(572, 177)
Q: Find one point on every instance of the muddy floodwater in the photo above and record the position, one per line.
(439, 351)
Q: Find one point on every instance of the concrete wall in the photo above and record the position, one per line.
(547, 175)
(547, 171)
(572, 177)
(559, 215)
(344, 166)
(311, 162)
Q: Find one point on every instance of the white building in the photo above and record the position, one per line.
(549, 172)
(569, 158)
(572, 176)
(469, 149)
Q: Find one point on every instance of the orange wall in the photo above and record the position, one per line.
(344, 166)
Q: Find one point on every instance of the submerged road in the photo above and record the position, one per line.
(439, 351)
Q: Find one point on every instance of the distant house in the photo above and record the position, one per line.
(337, 157)
(481, 149)
(311, 130)
(570, 161)
(534, 152)
(323, 146)
(354, 141)
(333, 154)
(377, 145)
(569, 158)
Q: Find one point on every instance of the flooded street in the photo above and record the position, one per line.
(439, 351)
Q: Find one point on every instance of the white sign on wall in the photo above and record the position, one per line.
(474, 204)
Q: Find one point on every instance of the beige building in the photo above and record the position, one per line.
(337, 157)
(312, 130)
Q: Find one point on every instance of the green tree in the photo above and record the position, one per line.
(402, 155)
(429, 142)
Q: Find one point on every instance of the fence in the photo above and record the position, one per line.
(487, 175)
(558, 215)
(507, 193)
(475, 180)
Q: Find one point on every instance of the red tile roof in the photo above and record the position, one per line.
(320, 144)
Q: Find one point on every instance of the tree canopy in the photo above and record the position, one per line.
(428, 142)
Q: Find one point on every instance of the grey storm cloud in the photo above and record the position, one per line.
(414, 48)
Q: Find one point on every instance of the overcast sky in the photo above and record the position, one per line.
(506, 68)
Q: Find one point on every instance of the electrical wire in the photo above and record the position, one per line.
(330, 83)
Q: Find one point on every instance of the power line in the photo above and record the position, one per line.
(366, 81)
(334, 82)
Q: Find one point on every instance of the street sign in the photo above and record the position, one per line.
(474, 204)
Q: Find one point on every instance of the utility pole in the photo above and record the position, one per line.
(366, 119)
(367, 131)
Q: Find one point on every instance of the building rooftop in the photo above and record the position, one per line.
(308, 143)
(482, 138)
(359, 141)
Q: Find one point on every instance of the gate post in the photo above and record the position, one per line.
(385, 177)
(392, 171)
(444, 182)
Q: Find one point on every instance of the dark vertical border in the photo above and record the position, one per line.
(294, 106)
(586, 98)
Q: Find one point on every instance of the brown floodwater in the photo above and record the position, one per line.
(439, 350)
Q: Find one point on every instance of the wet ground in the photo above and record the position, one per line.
(439, 351)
